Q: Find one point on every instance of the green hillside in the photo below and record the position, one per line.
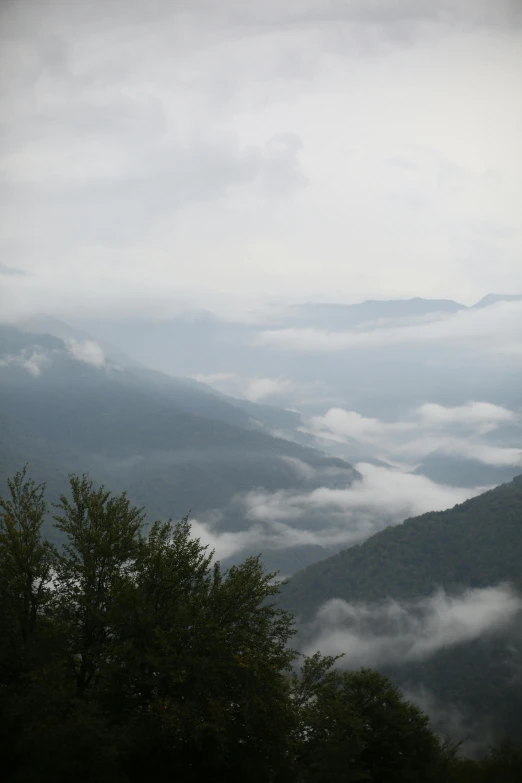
(475, 545)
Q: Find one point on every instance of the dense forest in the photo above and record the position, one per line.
(127, 654)
(474, 545)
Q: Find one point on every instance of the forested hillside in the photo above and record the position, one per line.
(475, 545)
(128, 655)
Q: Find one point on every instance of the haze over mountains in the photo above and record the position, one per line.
(379, 362)
(305, 479)
(298, 480)
(260, 265)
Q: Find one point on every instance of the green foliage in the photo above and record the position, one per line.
(475, 545)
(357, 726)
(25, 571)
(128, 656)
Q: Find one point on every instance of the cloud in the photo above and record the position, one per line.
(339, 424)
(87, 351)
(326, 517)
(12, 271)
(484, 414)
(381, 494)
(455, 431)
(32, 361)
(395, 632)
(253, 389)
(260, 388)
(496, 328)
(473, 732)
(302, 469)
(498, 456)
(272, 125)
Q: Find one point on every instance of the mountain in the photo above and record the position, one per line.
(398, 363)
(45, 324)
(172, 445)
(492, 299)
(477, 544)
(191, 395)
(346, 316)
(460, 471)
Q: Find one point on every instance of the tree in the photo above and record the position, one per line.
(102, 536)
(357, 726)
(164, 664)
(25, 570)
(129, 655)
(200, 663)
(25, 579)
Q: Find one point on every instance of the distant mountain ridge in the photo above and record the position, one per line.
(492, 299)
(172, 445)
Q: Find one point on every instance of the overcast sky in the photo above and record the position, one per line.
(314, 149)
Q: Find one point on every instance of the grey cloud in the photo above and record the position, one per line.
(394, 632)
(498, 327)
(33, 361)
(118, 207)
(472, 732)
(12, 271)
(122, 115)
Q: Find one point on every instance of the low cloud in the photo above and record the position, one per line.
(253, 389)
(473, 732)
(455, 431)
(326, 517)
(261, 388)
(497, 456)
(495, 328)
(484, 414)
(393, 632)
(12, 271)
(88, 352)
(31, 361)
(339, 424)
(381, 492)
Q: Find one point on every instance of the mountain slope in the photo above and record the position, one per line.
(172, 446)
(475, 545)
(345, 316)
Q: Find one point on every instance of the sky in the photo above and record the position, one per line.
(226, 153)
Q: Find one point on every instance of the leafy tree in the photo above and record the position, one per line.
(101, 541)
(356, 726)
(129, 655)
(25, 568)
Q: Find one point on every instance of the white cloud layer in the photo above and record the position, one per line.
(495, 328)
(261, 388)
(87, 351)
(456, 431)
(396, 632)
(329, 518)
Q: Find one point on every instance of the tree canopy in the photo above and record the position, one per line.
(128, 655)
